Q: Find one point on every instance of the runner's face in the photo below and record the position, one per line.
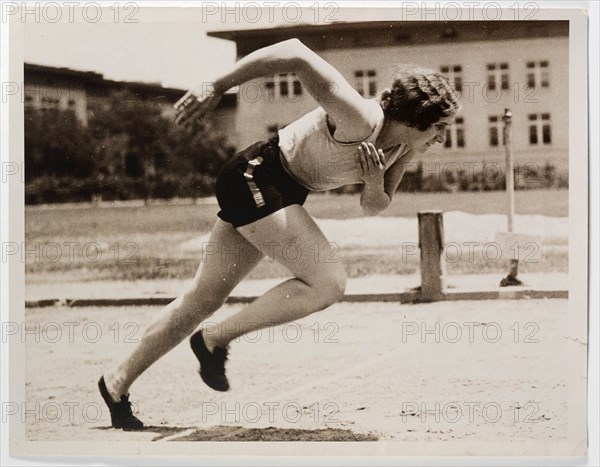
(423, 140)
(419, 141)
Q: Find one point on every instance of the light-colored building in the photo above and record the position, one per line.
(520, 65)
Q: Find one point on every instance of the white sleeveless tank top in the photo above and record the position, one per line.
(311, 155)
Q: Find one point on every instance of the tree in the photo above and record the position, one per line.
(57, 144)
(129, 150)
(151, 144)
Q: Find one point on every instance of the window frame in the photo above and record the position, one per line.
(456, 135)
(365, 82)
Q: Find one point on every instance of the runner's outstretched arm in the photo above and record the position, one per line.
(348, 110)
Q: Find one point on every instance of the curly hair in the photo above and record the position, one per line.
(419, 97)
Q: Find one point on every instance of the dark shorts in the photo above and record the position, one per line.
(254, 184)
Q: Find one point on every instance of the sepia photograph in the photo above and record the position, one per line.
(291, 229)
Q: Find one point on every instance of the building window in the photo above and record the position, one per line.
(48, 102)
(453, 73)
(455, 134)
(270, 87)
(496, 128)
(365, 82)
(283, 85)
(538, 75)
(498, 76)
(546, 130)
(539, 125)
(494, 131)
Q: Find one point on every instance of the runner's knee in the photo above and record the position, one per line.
(203, 301)
(330, 288)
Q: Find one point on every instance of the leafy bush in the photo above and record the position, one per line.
(56, 144)
(491, 178)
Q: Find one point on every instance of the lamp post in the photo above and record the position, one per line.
(510, 174)
(511, 278)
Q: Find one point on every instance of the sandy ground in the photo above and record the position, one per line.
(475, 372)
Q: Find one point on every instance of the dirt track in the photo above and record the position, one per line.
(379, 371)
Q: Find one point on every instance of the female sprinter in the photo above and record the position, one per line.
(261, 190)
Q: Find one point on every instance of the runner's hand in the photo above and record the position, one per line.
(195, 105)
(372, 163)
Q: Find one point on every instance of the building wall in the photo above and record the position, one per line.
(257, 111)
(223, 122)
(63, 96)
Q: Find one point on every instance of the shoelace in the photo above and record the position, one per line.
(125, 406)
(220, 355)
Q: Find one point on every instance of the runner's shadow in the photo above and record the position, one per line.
(239, 433)
(163, 431)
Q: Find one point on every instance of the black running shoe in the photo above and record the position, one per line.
(212, 365)
(120, 412)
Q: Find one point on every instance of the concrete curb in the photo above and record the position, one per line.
(402, 297)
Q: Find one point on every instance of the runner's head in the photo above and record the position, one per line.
(419, 97)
